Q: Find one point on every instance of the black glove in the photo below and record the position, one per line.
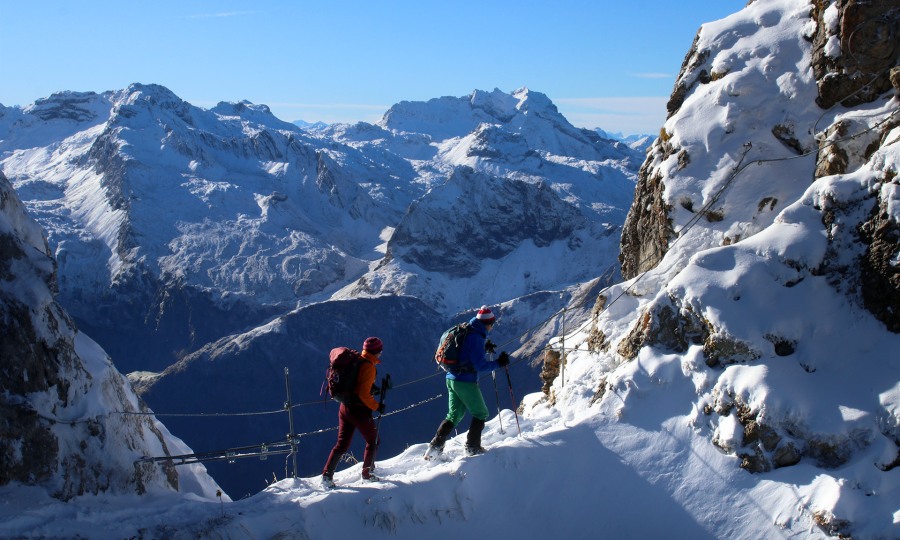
(375, 391)
(381, 408)
(490, 346)
(503, 360)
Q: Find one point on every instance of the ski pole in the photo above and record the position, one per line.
(496, 395)
(385, 385)
(513, 398)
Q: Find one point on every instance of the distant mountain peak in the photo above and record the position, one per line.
(496, 104)
(524, 112)
(66, 105)
(256, 113)
(231, 108)
(153, 93)
(448, 117)
(529, 99)
(310, 125)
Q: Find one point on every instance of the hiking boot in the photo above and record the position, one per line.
(434, 451)
(441, 436)
(369, 476)
(474, 450)
(327, 482)
(473, 437)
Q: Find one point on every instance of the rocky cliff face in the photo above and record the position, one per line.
(512, 213)
(61, 426)
(762, 246)
(854, 47)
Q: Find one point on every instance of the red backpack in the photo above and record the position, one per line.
(342, 373)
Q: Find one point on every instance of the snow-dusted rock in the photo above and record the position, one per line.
(64, 407)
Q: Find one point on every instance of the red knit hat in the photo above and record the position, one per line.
(485, 315)
(373, 345)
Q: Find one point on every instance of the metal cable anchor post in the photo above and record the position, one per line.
(287, 405)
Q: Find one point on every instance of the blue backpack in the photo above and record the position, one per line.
(447, 354)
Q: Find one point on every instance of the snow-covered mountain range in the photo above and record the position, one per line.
(179, 229)
(163, 215)
(640, 142)
(742, 382)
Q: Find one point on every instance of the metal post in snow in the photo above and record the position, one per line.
(562, 361)
(287, 405)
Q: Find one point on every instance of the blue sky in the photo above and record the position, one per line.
(604, 63)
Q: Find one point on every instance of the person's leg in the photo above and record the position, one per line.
(473, 400)
(443, 432)
(344, 438)
(457, 404)
(363, 421)
(455, 413)
(473, 437)
(469, 397)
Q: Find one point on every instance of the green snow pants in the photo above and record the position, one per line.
(465, 396)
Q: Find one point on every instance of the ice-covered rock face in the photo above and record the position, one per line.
(62, 399)
(854, 48)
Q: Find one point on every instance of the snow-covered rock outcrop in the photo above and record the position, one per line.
(762, 251)
(64, 409)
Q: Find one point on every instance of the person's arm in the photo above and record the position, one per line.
(475, 349)
(364, 382)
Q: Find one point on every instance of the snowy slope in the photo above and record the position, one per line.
(580, 477)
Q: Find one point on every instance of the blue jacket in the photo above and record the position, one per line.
(472, 356)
